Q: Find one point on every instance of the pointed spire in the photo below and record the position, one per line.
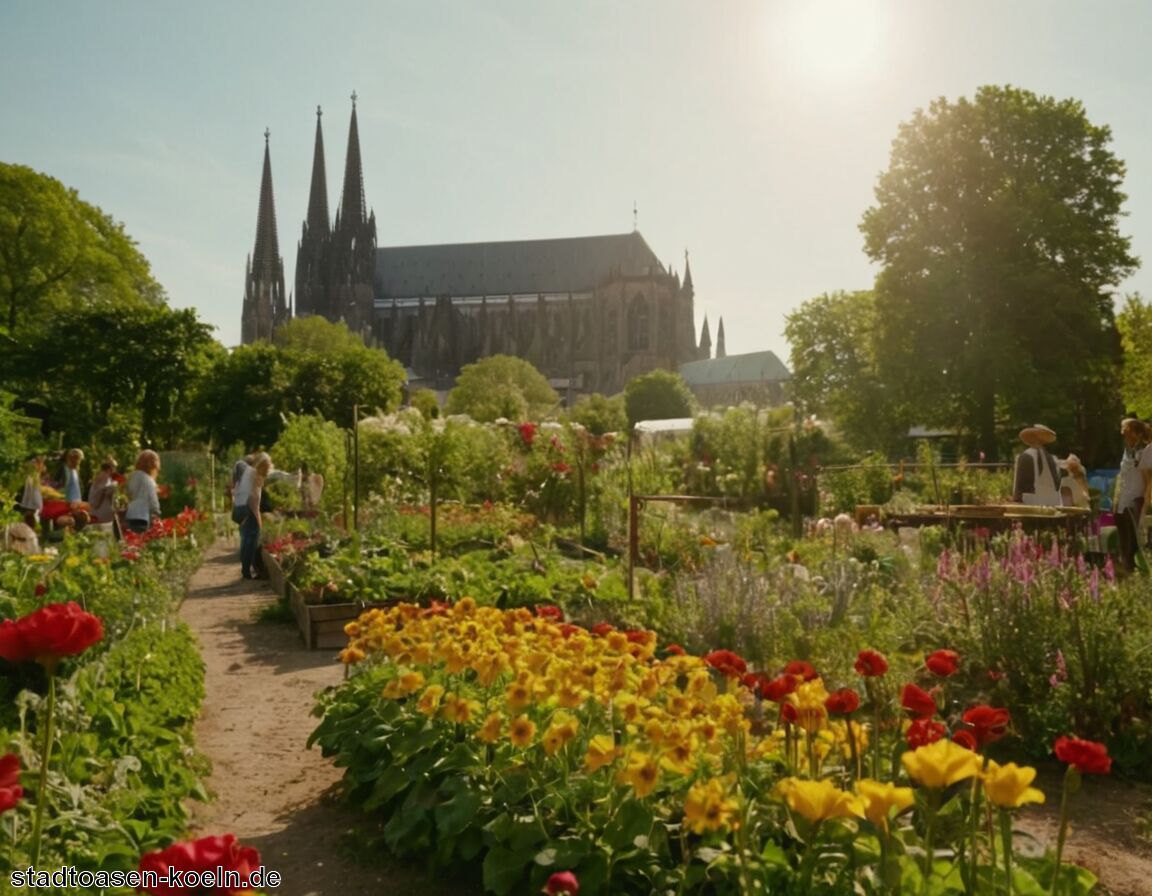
(705, 340)
(317, 219)
(266, 254)
(721, 352)
(353, 208)
(688, 275)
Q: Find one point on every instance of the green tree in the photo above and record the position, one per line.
(501, 386)
(1135, 324)
(309, 439)
(57, 251)
(836, 371)
(657, 395)
(242, 400)
(996, 225)
(599, 414)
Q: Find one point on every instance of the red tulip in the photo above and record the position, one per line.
(726, 662)
(802, 670)
(779, 687)
(788, 713)
(988, 724)
(966, 739)
(918, 701)
(923, 732)
(842, 702)
(47, 634)
(871, 663)
(205, 854)
(10, 789)
(1089, 757)
(943, 663)
(562, 882)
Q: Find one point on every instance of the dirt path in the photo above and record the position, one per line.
(279, 797)
(270, 791)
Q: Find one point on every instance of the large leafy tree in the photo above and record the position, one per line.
(57, 251)
(1135, 324)
(836, 370)
(502, 386)
(658, 395)
(997, 226)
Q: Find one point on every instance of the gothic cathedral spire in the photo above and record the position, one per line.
(312, 250)
(705, 350)
(317, 221)
(264, 304)
(352, 260)
(721, 349)
(352, 211)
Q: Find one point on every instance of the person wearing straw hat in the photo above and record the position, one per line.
(1037, 478)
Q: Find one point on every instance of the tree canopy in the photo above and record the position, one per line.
(1135, 324)
(501, 386)
(58, 251)
(997, 226)
(658, 395)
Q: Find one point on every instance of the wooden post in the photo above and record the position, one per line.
(633, 541)
(356, 467)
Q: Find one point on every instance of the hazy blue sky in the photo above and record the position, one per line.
(750, 133)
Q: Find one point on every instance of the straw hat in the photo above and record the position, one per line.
(1037, 434)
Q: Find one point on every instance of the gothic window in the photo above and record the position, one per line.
(638, 324)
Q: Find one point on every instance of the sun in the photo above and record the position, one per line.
(830, 41)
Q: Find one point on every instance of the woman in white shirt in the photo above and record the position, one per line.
(143, 502)
(1132, 491)
(246, 511)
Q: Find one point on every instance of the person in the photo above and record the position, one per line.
(246, 512)
(1133, 491)
(102, 492)
(32, 499)
(71, 476)
(1074, 484)
(1036, 480)
(143, 501)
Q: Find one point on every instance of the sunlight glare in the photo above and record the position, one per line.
(832, 41)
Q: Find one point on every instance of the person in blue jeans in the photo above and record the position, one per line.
(246, 511)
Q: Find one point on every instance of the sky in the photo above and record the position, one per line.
(749, 133)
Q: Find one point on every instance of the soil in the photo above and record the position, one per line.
(276, 795)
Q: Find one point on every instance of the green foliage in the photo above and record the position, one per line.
(501, 386)
(425, 401)
(1135, 324)
(599, 414)
(997, 228)
(309, 439)
(658, 395)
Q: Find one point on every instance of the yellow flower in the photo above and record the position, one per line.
(708, 808)
(601, 752)
(880, 797)
(353, 629)
(1007, 786)
(519, 694)
(642, 772)
(562, 730)
(72, 561)
(808, 698)
(429, 701)
(521, 731)
(460, 710)
(490, 731)
(818, 800)
(350, 655)
(940, 764)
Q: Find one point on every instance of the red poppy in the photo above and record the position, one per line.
(802, 670)
(943, 663)
(871, 663)
(726, 662)
(966, 739)
(10, 789)
(562, 882)
(923, 732)
(842, 702)
(47, 634)
(778, 688)
(988, 723)
(918, 701)
(1089, 757)
(208, 854)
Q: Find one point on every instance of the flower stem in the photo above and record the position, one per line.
(45, 753)
(1006, 838)
(1063, 826)
(929, 838)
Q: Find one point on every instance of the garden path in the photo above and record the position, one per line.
(270, 791)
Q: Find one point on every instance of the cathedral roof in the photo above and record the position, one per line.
(572, 264)
(754, 367)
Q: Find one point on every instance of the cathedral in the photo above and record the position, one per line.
(589, 312)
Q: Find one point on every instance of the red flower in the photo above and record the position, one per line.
(988, 724)
(10, 789)
(1089, 757)
(802, 670)
(842, 702)
(779, 687)
(602, 628)
(918, 701)
(923, 732)
(675, 650)
(47, 634)
(527, 433)
(726, 662)
(788, 713)
(561, 467)
(871, 663)
(966, 739)
(40, 590)
(207, 854)
(547, 611)
(562, 882)
(943, 663)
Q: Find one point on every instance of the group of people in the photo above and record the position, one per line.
(61, 504)
(1041, 479)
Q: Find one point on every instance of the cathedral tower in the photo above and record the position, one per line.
(312, 250)
(352, 257)
(264, 305)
